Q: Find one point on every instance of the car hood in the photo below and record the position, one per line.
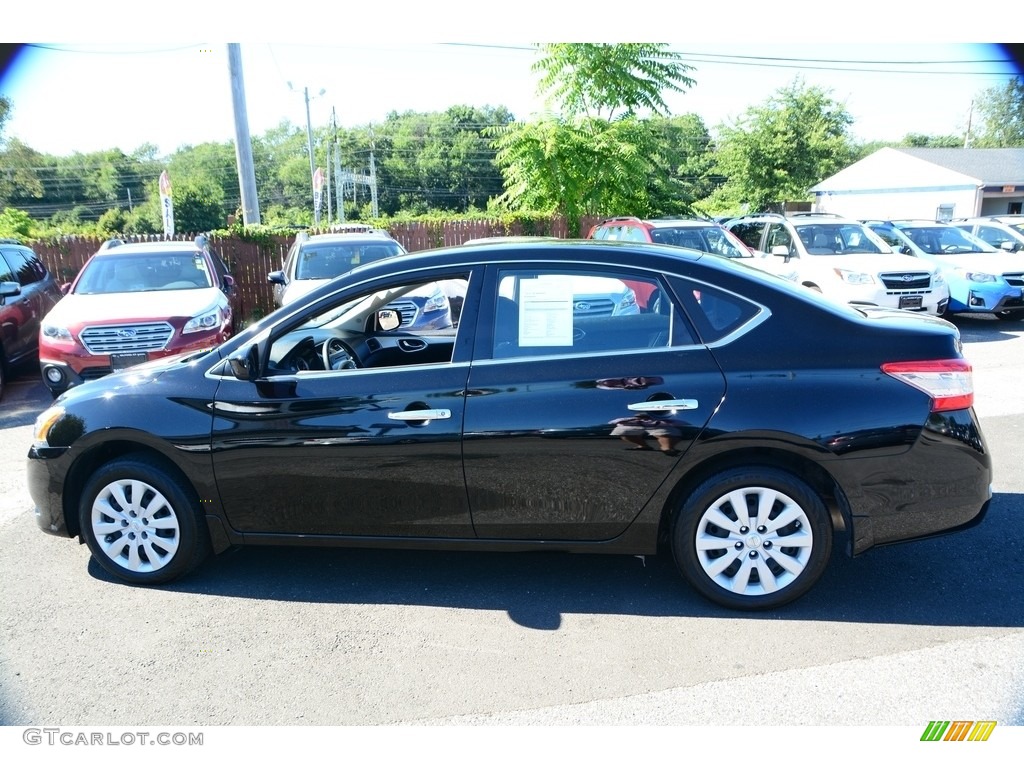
(81, 309)
(296, 289)
(992, 263)
(882, 262)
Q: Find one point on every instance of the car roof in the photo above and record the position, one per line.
(337, 237)
(502, 251)
(663, 221)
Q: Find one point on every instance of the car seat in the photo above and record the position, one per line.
(506, 328)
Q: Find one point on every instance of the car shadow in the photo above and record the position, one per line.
(984, 327)
(972, 578)
(25, 396)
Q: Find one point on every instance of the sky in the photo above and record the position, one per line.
(105, 88)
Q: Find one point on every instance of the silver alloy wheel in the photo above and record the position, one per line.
(135, 526)
(754, 541)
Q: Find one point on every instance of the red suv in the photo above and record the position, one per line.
(27, 292)
(135, 302)
(694, 233)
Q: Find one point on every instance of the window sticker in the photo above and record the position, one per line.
(545, 312)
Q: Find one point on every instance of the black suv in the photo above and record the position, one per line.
(27, 292)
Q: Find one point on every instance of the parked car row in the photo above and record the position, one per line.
(845, 260)
(981, 278)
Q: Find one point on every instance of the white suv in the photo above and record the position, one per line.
(1003, 232)
(845, 260)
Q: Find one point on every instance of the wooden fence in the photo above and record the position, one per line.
(250, 262)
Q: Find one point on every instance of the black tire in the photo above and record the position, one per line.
(3, 372)
(147, 506)
(746, 572)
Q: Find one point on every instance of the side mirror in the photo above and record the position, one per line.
(781, 250)
(245, 365)
(1008, 245)
(9, 289)
(276, 277)
(388, 319)
(229, 285)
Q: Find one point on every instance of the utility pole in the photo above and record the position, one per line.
(243, 145)
(339, 184)
(373, 178)
(309, 134)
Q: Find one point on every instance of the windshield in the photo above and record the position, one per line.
(323, 262)
(830, 239)
(940, 239)
(142, 272)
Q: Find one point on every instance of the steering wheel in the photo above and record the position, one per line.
(303, 356)
(338, 356)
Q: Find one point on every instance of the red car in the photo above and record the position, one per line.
(135, 302)
(27, 292)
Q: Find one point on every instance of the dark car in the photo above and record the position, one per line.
(727, 426)
(27, 292)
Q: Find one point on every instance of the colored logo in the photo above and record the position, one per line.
(958, 730)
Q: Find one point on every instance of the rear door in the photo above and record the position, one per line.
(573, 421)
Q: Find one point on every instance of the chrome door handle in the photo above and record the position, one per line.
(425, 415)
(658, 406)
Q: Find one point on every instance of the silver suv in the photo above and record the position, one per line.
(844, 259)
(1003, 232)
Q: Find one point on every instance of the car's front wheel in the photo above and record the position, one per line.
(140, 519)
(752, 538)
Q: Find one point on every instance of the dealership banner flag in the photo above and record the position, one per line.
(318, 193)
(166, 204)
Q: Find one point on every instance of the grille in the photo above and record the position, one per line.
(591, 307)
(898, 281)
(406, 309)
(133, 337)
(1014, 278)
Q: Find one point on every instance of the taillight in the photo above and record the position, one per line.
(949, 382)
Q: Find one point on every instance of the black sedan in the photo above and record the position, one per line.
(739, 422)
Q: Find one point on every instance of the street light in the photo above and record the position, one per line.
(309, 130)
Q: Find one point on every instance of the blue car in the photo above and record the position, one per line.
(980, 277)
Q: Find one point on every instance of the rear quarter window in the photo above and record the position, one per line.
(715, 313)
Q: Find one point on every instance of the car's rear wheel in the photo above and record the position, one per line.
(141, 521)
(752, 538)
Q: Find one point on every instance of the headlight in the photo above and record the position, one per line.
(56, 332)
(629, 300)
(855, 278)
(980, 277)
(938, 279)
(205, 322)
(44, 421)
(436, 302)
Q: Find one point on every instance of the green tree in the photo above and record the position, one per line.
(20, 185)
(1001, 113)
(5, 115)
(602, 79)
(581, 161)
(16, 224)
(198, 206)
(776, 151)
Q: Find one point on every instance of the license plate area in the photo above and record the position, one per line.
(911, 302)
(122, 360)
